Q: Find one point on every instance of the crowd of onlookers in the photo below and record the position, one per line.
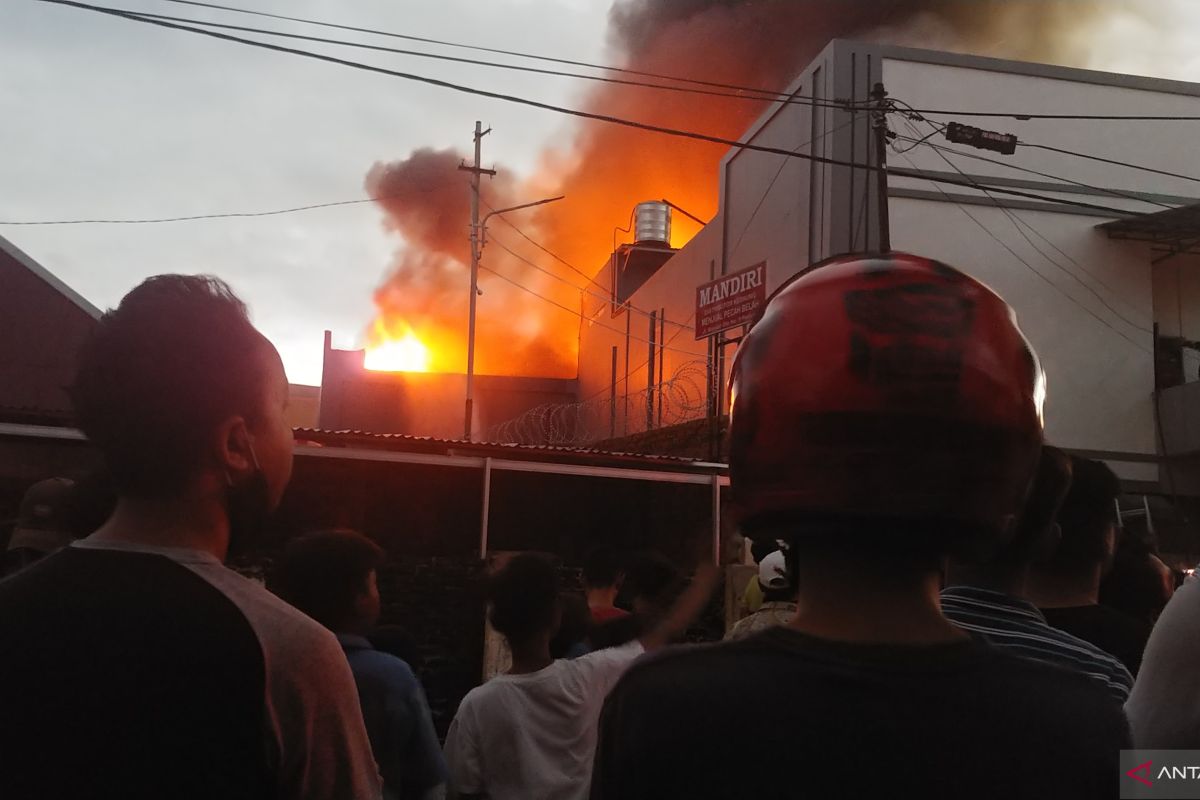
(942, 605)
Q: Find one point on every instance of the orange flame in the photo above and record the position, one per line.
(395, 347)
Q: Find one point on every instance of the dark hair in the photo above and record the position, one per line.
(1050, 485)
(1134, 584)
(1086, 515)
(160, 372)
(576, 622)
(524, 597)
(653, 577)
(322, 574)
(601, 568)
(762, 546)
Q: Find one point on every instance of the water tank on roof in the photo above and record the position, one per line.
(652, 223)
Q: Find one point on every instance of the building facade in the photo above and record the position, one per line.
(1103, 276)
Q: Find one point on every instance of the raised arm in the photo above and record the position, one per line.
(685, 610)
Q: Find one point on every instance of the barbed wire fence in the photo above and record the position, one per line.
(682, 397)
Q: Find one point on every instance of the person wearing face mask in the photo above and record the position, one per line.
(135, 663)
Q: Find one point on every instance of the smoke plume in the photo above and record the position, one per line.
(604, 170)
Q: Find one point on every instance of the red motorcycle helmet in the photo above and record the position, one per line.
(888, 392)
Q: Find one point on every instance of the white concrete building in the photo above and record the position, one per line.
(1089, 287)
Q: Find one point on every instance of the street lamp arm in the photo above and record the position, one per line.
(491, 214)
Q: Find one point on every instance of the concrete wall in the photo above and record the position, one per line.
(426, 403)
(1087, 303)
(1099, 368)
(1176, 282)
(670, 293)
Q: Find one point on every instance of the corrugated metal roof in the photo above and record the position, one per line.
(510, 450)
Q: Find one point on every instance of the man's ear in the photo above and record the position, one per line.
(1047, 544)
(234, 451)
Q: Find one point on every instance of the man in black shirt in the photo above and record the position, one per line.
(135, 664)
(1066, 587)
(886, 411)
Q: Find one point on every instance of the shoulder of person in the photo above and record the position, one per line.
(288, 636)
(669, 668)
(1058, 689)
(387, 663)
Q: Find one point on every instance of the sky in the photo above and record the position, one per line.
(103, 117)
(109, 118)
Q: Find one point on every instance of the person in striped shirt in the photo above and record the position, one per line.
(989, 599)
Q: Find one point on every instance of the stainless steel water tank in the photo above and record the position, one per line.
(653, 222)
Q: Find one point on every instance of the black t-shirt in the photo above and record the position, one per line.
(784, 715)
(1114, 632)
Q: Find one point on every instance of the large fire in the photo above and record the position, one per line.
(395, 347)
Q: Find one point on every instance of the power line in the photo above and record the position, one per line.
(775, 178)
(1017, 224)
(912, 113)
(1029, 266)
(1029, 116)
(550, 107)
(942, 148)
(768, 94)
(190, 218)
(1050, 260)
(786, 99)
(542, 247)
(1114, 162)
(606, 298)
(582, 316)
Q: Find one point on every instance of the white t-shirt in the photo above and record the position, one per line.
(1164, 708)
(534, 735)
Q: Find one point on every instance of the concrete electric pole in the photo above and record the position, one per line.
(476, 170)
(879, 123)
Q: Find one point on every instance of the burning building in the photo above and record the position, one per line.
(417, 402)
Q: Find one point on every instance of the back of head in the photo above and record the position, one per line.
(884, 401)
(1087, 519)
(775, 579)
(323, 574)
(601, 568)
(523, 598)
(1036, 527)
(653, 579)
(160, 372)
(53, 513)
(45, 519)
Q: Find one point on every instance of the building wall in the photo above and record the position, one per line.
(670, 294)
(1099, 368)
(1088, 303)
(304, 405)
(425, 403)
(769, 204)
(42, 326)
(1177, 305)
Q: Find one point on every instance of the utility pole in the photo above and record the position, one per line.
(879, 123)
(476, 170)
